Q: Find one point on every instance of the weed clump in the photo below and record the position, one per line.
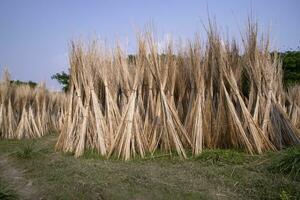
(27, 150)
(288, 162)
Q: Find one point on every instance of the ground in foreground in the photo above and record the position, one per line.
(31, 169)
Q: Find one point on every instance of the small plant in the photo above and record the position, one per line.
(27, 150)
(284, 195)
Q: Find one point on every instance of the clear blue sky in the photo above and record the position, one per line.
(34, 34)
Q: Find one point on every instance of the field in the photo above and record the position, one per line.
(31, 169)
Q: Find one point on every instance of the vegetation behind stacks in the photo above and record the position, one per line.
(291, 67)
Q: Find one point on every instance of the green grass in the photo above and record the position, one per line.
(6, 193)
(215, 174)
(26, 150)
(224, 157)
(288, 162)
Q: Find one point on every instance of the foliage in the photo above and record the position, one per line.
(131, 58)
(291, 67)
(63, 78)
(18, 82)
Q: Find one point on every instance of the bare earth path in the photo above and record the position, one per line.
(15, 177)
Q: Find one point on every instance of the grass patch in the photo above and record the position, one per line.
(224, 157)
(27, 150)
(287, 162)
(92, 154)
(6, 193)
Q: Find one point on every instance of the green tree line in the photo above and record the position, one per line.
(291, 67)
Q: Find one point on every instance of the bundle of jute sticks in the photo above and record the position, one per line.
(293, 104)
(28, 112)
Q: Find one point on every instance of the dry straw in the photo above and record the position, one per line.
(191, 98)
(27, 112)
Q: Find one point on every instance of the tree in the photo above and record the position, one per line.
(63, 79)
(18, 82)
(291, 67)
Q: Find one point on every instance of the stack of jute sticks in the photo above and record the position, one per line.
(29, 112)
(211, 95)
